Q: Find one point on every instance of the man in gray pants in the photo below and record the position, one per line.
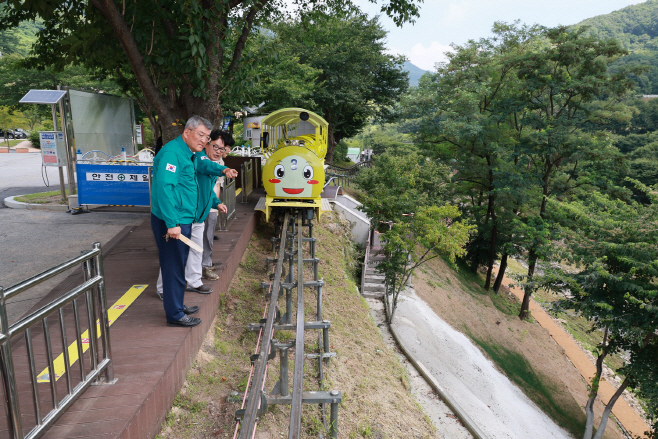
(222, 141)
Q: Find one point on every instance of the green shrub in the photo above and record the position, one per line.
(34, 138)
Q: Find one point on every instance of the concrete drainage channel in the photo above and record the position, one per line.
(448, 423)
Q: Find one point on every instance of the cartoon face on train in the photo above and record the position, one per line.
(293, 172)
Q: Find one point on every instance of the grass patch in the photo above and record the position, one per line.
(567, 414)
(12, 142)
(471, 282)
(51, 197)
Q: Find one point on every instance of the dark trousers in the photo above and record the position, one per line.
(173, 257)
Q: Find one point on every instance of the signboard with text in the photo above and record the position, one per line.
(122, 185)
(53, 148)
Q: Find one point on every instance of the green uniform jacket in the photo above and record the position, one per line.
(207, 172)
(174, 189)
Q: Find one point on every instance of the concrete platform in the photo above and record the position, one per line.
(150, 358)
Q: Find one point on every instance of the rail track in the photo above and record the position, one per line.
(290, 246)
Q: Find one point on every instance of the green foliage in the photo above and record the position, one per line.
(615, 245)
(518, 116)
(644, 164)
(18, 40)
(336, 65)
(382, 137)
(175, 58)
(635, 28)
(398, 184)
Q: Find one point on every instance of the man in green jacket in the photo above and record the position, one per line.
(174, 202)
(207, 173)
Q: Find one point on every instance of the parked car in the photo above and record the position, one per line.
(5, 133)
(20, 133)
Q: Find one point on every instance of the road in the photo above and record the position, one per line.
(32, 241)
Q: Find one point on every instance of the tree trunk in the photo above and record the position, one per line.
(527, 291)
(161, 105)
(491, 214)
(492, 254)
(331, 145)
(501, 273)
(608, 408)
(594, 388)
(589, 423)
(532, 254)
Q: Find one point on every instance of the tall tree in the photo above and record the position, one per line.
(187, 57)
(615, 244)
(405, 200)
(560, 81)
(468, 113)
(356, 79)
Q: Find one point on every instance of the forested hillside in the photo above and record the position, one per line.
(636, 28)
(18, 40)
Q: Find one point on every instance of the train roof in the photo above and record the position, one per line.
(288, 116)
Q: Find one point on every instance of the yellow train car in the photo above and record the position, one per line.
(294, 143)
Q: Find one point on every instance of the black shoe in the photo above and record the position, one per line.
(190, 309)
(185, 321)
(215, 238)
(201, 289)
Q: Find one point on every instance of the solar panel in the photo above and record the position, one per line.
(43, 97)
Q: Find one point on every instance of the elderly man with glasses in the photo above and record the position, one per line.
(220, 143)
(174, 201)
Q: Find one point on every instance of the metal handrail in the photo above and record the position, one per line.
(344, 176)
(247, 175)
(93, 287)
(229, 199)
(365, 263)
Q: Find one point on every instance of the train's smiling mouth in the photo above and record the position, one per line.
(292, 191)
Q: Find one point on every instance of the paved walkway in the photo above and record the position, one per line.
(150, 359)
(631, 421)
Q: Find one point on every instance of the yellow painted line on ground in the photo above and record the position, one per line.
(112, 315)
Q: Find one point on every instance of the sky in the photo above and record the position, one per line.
(444, 22)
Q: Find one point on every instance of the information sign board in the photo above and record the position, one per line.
(123, 185)
(53, 148)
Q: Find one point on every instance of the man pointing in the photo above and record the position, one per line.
(174, 204)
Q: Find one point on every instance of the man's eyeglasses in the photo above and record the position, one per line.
(204, 137)
(217, 148)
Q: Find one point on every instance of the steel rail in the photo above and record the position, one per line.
(298, 375)
(248, 425)
(41, 277)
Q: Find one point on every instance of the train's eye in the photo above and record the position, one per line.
(279, 171)
(308, 172)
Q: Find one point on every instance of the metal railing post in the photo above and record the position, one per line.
(105, 324)
(93, 281)
(8, 374)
